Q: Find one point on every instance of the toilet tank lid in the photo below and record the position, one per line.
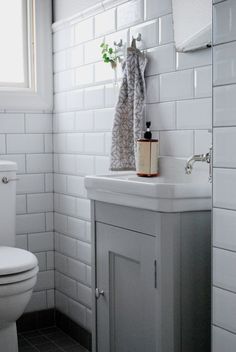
(15, 260)
(6, 165)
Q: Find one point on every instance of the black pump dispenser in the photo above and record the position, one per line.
(148, 133)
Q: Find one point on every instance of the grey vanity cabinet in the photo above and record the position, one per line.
(151, 280)
(126, 272)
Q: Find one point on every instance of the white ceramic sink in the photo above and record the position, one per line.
(172, 191)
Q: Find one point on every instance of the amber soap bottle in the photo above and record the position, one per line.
(147, 154)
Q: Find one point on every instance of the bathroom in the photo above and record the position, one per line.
(107, 260)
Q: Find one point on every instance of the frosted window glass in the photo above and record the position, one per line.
(12, 43)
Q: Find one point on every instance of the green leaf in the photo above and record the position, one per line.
(109, 55)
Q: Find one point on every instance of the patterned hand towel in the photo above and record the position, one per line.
(128, 120)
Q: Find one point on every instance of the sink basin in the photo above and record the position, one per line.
(172, 191)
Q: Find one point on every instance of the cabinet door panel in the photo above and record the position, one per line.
(125, 271)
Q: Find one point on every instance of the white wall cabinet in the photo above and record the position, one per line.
(151, 280)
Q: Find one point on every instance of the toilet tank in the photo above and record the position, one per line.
(7, 203)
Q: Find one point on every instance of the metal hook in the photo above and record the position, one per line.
(137, 39)
(119, 44)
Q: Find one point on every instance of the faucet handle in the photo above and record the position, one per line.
(188, 168)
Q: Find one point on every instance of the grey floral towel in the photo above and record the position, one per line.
(128, 120)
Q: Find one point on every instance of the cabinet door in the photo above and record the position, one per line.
(126, 272)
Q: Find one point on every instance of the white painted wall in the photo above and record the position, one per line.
(67, 8)
(179, 102)
(224, 181)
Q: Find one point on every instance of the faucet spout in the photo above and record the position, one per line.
(190, 162)
(199, 157)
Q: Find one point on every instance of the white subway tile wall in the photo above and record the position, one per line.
(224, 176)
(178, 103)
(26, 138)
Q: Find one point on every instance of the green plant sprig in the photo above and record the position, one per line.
(109, 55)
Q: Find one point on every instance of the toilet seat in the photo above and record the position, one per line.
(14, 278)
(15, 261)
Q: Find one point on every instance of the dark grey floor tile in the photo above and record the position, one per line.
(28, 349)
(51, 339)
(50, 330)
(60, 337)
(23, 343)
(56, 335)
(65, 342)
(38, 340)
(47, 347)
(28, 334)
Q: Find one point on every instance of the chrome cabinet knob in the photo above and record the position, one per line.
(99, 293)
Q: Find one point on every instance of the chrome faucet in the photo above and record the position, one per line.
(200, 157)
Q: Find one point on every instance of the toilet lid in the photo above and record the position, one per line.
(14, 278)
(16, 260)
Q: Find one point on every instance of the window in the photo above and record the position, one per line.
(26, 55)
(14, 58)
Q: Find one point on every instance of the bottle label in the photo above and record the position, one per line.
(147, 158)
(154, 157)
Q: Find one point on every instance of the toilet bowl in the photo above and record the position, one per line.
(18, 268)
(18, 275)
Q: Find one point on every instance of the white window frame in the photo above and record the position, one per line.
(39, 95)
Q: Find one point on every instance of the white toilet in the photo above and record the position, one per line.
(18, 268)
